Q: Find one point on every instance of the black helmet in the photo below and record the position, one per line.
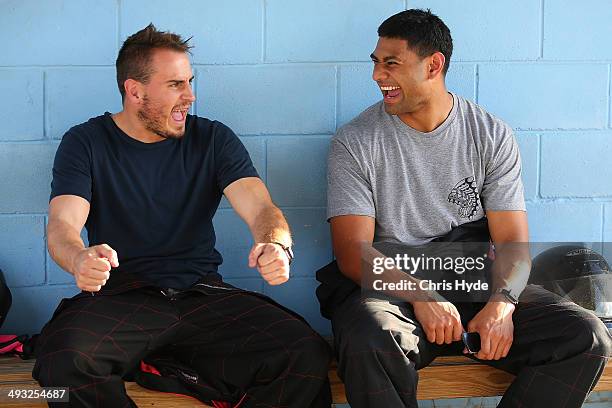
(579, 274)
(5, 299)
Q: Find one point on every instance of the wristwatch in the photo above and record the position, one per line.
(287, 249)
(507, 295)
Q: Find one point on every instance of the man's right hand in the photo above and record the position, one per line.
(91, 267)
(440, 320)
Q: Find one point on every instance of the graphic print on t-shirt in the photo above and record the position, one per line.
(465, 195)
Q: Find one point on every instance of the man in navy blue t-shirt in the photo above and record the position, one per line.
(146, 182)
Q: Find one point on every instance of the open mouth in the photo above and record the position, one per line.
(179, 115)
(391, 93)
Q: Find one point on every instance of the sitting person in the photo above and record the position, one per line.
(146, 183)
(418, 166)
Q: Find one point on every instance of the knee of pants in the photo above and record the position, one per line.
(314, 354)
(60, 361)
(62, 368)
(601, 343)
(367, 346)
(592, 335)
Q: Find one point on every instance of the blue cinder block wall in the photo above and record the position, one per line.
(285, 74)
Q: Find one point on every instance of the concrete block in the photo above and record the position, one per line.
(297, 170)
(574, 164)
(59, 32)
(484, 30)
(25, 176)
(357, 91)
(223, 31)
(565, 221)
(269, 99)
(75, 95)
(33, 307)
(577, 30)
(312, 241)
(22, 250)
(319, 30)
(529, 146)
(21, 110)
(546, 96)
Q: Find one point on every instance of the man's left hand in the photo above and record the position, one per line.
(494, 324)
(271, 261)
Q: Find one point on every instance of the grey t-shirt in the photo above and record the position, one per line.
(418, 186)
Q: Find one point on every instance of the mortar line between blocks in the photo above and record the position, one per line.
(476, 81)
(338, 96)
(603, 223)
(28, 214)
(609, 104)
(265, 140)
(328, 63)
(539, 172)
(542, 29)
(46, 133)
(263, 30)
(118, 26)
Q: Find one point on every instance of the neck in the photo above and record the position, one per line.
(129, 123)
(431, 114)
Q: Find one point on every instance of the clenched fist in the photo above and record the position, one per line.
(91, 267)
(271, 261)
(440, 320)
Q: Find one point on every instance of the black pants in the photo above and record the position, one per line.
(558, 354)
(241, 343)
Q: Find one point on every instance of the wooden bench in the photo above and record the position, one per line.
(446, 377)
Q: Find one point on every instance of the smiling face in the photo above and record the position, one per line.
(401, 75)
(167, 96)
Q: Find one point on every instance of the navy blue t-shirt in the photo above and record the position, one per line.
(152, 202)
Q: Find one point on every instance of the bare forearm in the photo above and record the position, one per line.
(64, 242)
(511, 267)
(270, 226)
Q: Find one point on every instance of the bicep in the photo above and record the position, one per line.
(248, 196)
(349, 232)
(70, 209)
(508, 226)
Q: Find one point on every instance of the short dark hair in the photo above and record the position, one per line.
(133, 61)
(425, 33)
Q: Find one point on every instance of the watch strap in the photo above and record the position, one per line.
(287, 249)
(508, 295)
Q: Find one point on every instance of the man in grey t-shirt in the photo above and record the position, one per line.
(414, 168)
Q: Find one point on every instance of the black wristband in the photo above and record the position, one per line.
(507, 295)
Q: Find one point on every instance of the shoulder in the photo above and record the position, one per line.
(365, 122)
(360, 131)
(488, 126)
(204, 127)
(86, 134)
(90, 128)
